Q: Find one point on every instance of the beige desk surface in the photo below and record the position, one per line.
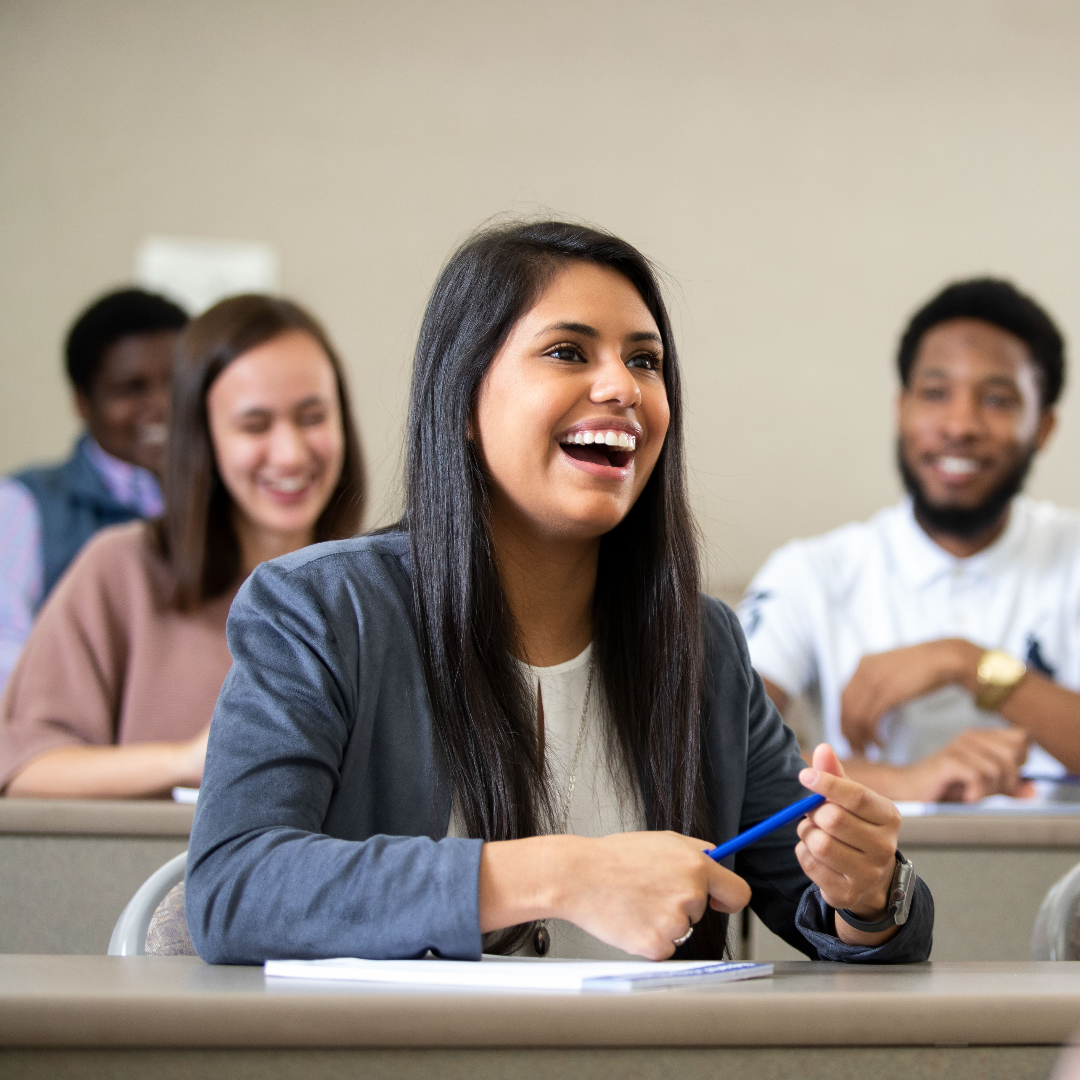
(992, 830)
(98, 1001)
(96, 817)
(106, 817)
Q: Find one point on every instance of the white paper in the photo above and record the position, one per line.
(995, 805)
(199, 272)
(498, 973)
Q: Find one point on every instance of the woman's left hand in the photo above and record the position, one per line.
(848, 845)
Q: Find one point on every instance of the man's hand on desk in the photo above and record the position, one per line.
(884, 681)
(1047, 712)
(977, 763)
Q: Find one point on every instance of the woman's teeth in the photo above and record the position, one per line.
(289, 485)
(618, 439)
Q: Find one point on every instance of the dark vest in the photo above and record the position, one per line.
(74, 503)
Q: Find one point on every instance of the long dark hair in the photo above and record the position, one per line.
(647, 632)
(196, 534)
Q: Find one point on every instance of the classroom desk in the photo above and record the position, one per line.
(68, 867)
(171, 1017)
(988, 874)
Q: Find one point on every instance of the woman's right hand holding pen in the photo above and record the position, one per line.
(637, 891)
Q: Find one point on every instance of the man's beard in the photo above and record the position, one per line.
(965, 523)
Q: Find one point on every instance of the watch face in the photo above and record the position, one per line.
(902, 889)
(1000, 669)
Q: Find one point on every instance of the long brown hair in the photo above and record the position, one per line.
(196, 535)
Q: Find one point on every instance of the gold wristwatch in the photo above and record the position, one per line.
(998, 675)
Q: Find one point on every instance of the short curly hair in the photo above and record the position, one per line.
(110, 318)
(1001, 304)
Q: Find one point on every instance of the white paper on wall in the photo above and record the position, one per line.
(198, 272)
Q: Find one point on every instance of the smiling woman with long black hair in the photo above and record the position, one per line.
(512, 722)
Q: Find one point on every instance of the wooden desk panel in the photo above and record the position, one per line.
(811, 1020)
(68, 867)
(110, 1001)
(992, 831)
(540, 1063)
(95, 817)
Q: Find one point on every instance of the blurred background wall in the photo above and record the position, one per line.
(805, 172)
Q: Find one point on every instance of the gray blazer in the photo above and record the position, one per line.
(321, 824)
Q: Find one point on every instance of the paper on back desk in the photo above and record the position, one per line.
(999, 805)
(498, 973)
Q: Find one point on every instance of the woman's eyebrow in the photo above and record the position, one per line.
(573, 327)
(590, 331)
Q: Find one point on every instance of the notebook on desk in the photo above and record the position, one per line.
(512, 973)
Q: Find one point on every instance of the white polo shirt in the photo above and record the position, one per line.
(818, 606)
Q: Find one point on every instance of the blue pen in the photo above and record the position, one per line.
(770, 824)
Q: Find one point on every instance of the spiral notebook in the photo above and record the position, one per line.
(511, 973)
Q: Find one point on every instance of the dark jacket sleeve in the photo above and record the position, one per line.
(294, 725)
(784, 898)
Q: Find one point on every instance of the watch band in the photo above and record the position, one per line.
(867, 927)
(900, 891)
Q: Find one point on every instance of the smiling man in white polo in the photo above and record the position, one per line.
(943, 635)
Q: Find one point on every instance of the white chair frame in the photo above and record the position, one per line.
(129, 934)
(1056, 918)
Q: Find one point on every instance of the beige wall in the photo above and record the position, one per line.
(806, 172)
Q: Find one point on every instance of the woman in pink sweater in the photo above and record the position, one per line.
(113, 694)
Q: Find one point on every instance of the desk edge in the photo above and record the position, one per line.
(87, 817)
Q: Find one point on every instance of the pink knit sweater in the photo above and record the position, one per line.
(109, 661)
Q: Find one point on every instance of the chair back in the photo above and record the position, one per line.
(129, 934)
(167, 934)
(1057, 926)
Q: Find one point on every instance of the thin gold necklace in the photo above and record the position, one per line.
(541, 937)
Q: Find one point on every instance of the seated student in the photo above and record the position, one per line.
(464, 725)
(944, 633)
(119, 360)
(114, 691)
